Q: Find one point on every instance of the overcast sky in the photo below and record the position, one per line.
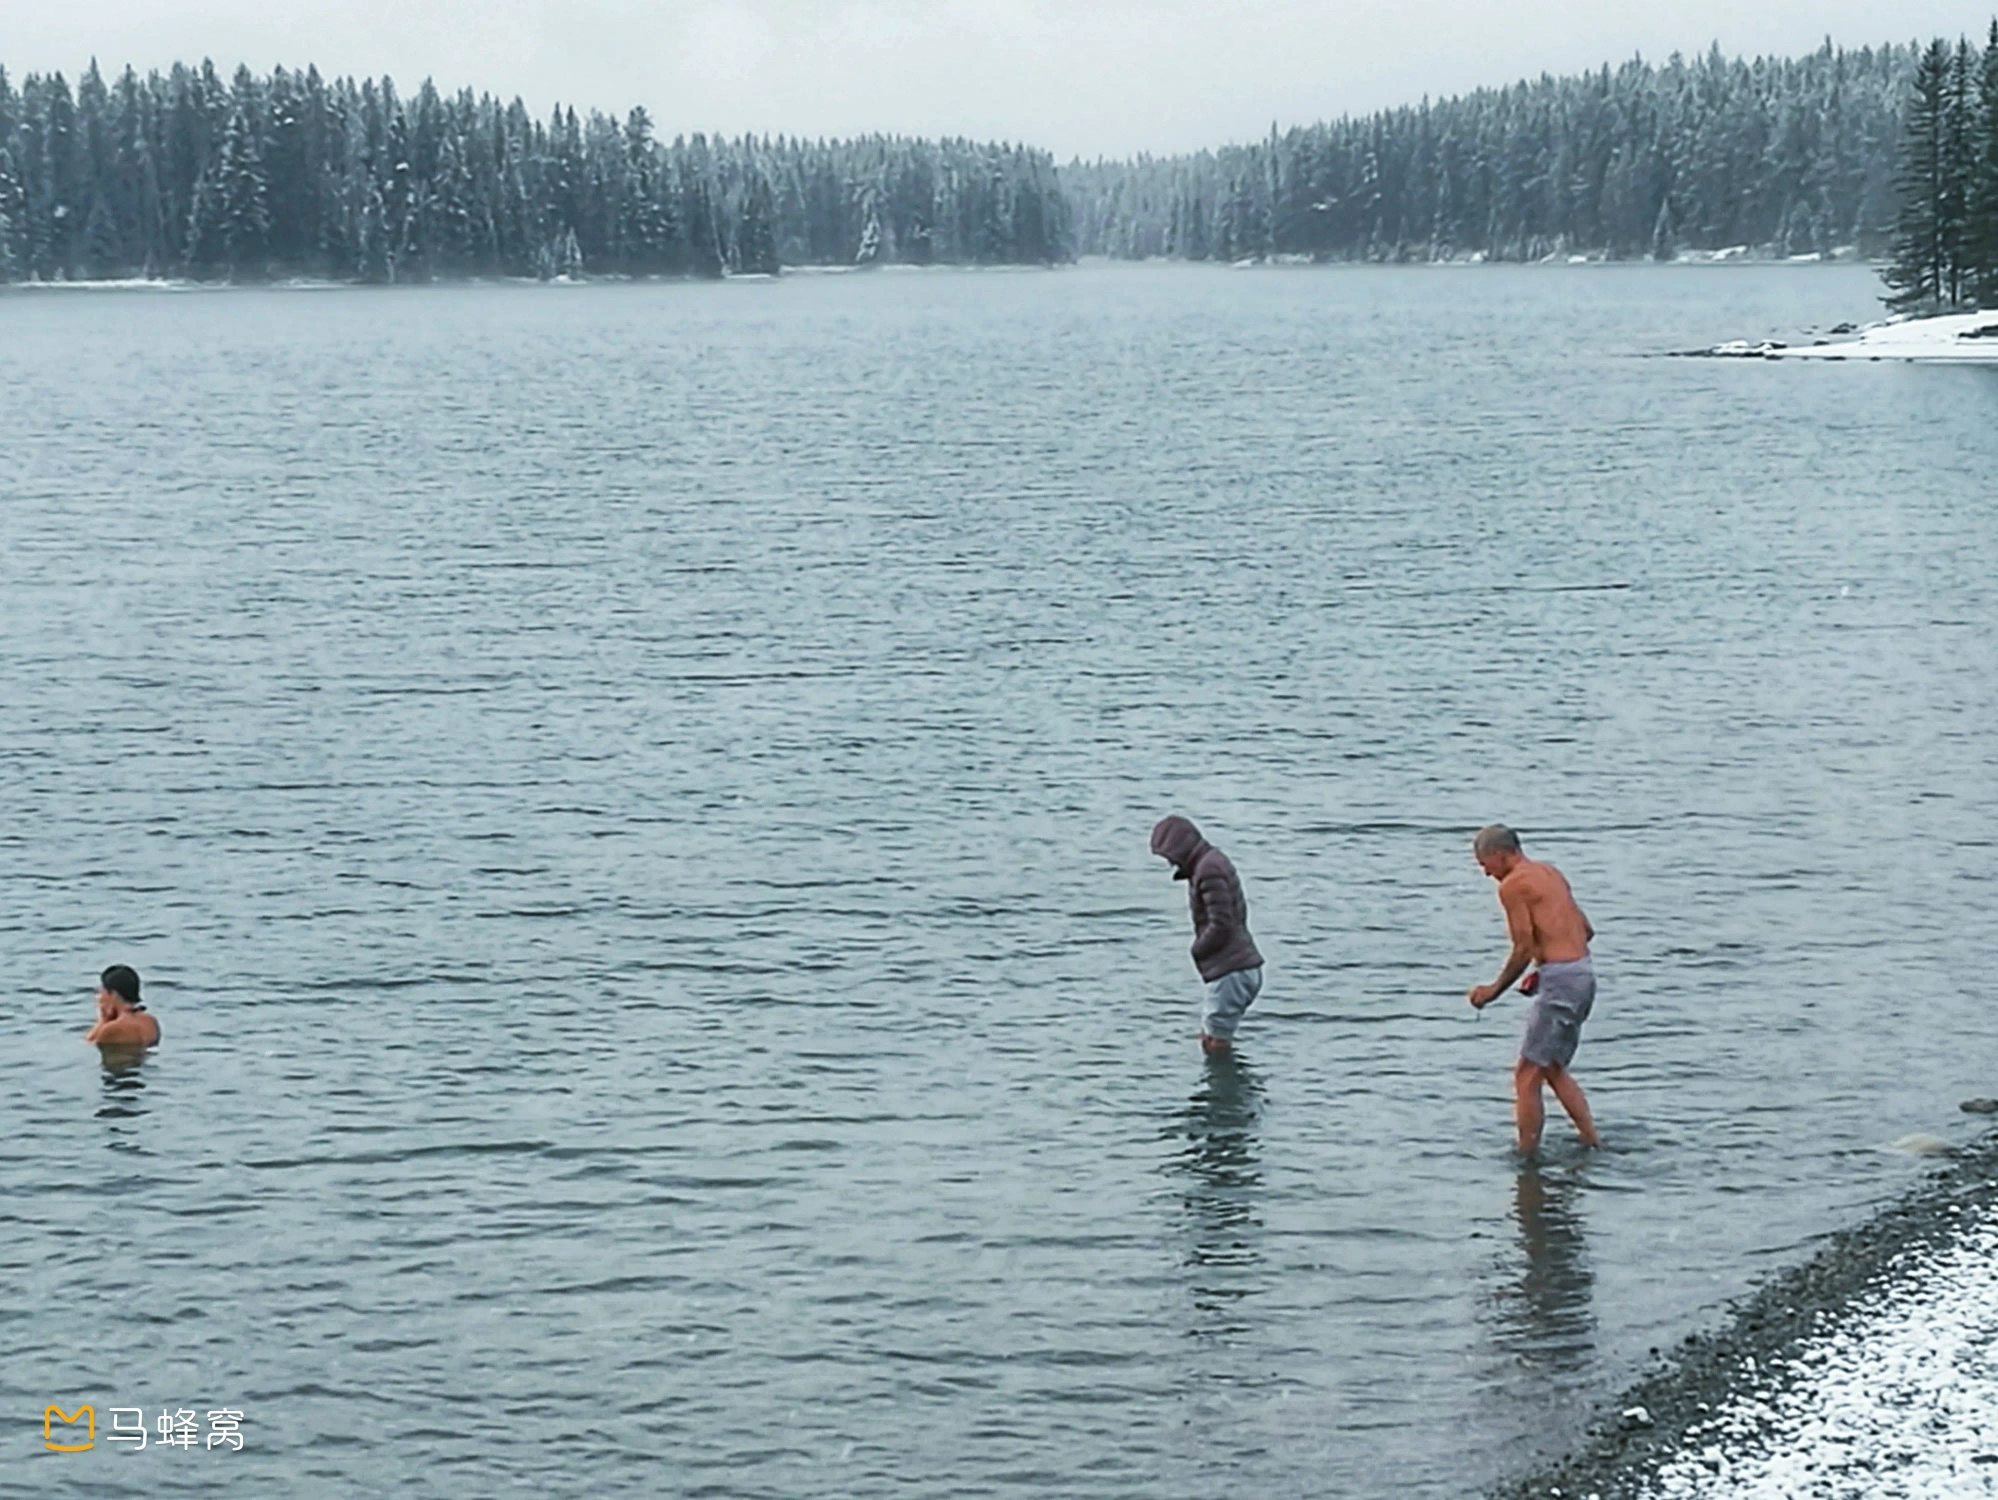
(1077, 76)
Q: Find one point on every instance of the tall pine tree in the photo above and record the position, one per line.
(1920, 272)
(1959, 155)
(243, 197)
(756, 240)
(11, 206)
(1981, 231)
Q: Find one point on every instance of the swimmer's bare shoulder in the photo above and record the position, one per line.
(134, 1029)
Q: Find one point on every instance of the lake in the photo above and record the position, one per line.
(631, 803)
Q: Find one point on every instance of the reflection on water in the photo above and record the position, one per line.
(124, 1083)
(1546, 1313)
(1222, 1172)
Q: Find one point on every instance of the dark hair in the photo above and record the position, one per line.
(123, 981)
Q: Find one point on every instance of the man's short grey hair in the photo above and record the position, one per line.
(1497, 839)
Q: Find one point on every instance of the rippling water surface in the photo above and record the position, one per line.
(631, 804)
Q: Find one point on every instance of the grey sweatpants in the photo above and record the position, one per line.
(1226, 999)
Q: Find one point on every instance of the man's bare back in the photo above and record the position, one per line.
(1541, 917)
(1541, 913)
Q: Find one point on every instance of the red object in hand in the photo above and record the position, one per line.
(1530, 983)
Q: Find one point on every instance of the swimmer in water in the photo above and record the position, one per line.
(1548, 931)
(122, 1018)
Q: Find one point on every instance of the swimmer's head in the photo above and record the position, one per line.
(121, 981)
(1497, 849)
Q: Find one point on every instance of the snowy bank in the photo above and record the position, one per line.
(1969, 337)
(1901, 1402)
(1959, 338)
(1869, 1373)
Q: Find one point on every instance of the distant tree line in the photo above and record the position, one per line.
(290, 174)
(1788, 157)
(1946, 236)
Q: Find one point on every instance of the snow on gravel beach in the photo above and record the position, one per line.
(1959, 338)
(1901, 1403)
(1868, 1372)
(1969, 337)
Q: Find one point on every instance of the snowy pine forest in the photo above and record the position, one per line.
(1880, 151)
(182, 174)
(1783, 156)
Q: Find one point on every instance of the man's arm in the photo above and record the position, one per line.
(1519, 924)
(1217, 909)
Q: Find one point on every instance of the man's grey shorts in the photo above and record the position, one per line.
(1227, 998)
(1554, 1018)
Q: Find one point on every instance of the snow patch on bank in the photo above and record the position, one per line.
(1959, 338)
(1900, 1403)
(176, 284)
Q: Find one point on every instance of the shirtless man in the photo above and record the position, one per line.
(1548, 930)
(122, 1019)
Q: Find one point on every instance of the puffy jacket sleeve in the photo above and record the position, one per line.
(1219, 916)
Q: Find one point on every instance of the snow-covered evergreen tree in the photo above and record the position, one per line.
(1981, 229)
(103, 253)
(12, 208)
(242, 200)
(756, 239)
(1663, 246)
(202, 254)
(1959, 157)
(869, 251)
(698, 212)
(1923, 269)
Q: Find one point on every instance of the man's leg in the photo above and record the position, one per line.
(1575, 1102)
(1221, 1012)
(1527, 1112)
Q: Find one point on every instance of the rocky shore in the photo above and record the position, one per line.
(1869, 1371)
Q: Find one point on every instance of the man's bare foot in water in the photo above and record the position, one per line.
(1215, 1046)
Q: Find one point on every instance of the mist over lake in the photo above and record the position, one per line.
(631, 803)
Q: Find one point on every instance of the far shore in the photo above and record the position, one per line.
(1699, 260)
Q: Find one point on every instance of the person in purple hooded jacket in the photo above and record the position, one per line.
(1223, 951)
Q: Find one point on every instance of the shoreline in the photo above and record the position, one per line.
(1835, 1378)
(1699, 262)
(1939, 338)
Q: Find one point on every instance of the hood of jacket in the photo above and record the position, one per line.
(1177, 840)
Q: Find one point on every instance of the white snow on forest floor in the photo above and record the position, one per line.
(1969, 337)
(173, 284)
(1901, 1403)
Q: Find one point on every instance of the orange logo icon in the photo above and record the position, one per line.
(84, 1414)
